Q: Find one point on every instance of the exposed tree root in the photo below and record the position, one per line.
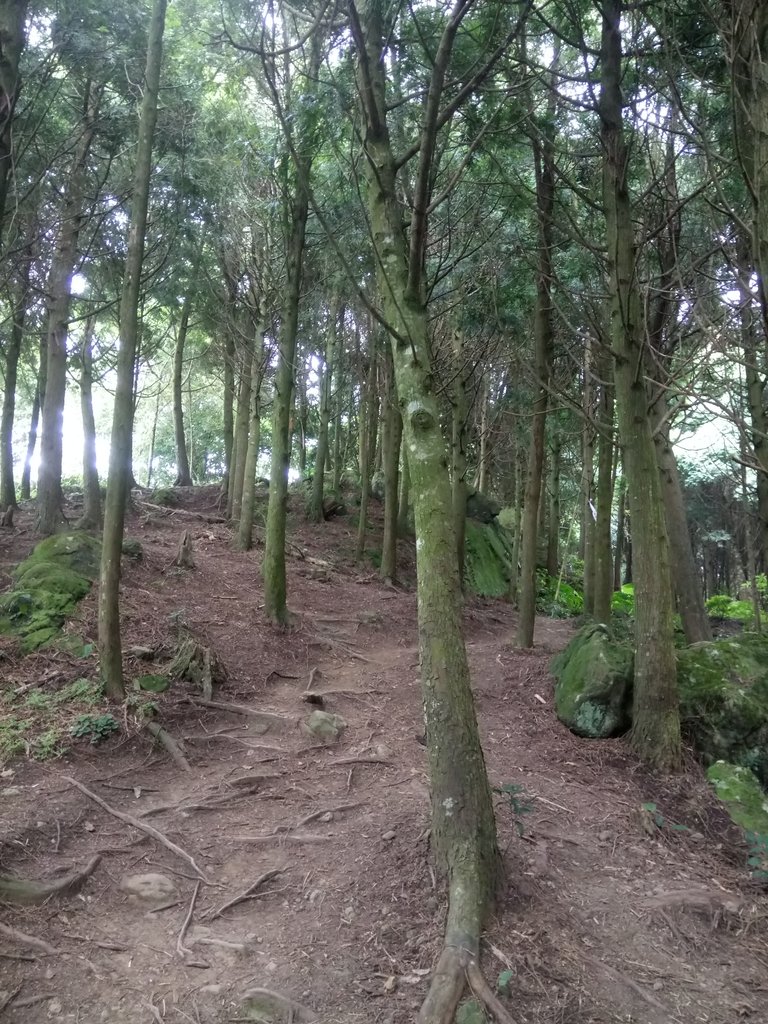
(31, 893)
(242, 709)
(142, 826)
(181, 949)
(170, 744)
(31, 941)
(249, 894)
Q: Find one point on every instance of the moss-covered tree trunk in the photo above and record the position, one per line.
(463, 828)
(655, 731)
(588, 442)
(91, 518)
(459, 411)
(248, 503)
(240, 438)
(183, 475)
(120, 472)
(368, 417)
(59, 293)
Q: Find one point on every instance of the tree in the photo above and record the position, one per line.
(120, 471)
(655, 731)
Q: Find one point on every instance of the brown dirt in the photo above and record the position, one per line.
(605, 918)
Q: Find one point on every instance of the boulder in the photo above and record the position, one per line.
(487, 559)
(48, 584)
(482, 508)
(724, 701)
(593, 692)
(744, 798)
(324, 726)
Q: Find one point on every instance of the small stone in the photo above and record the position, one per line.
(388, 836)
(54, 1008)
(658, 985)
(326, 817)
(271, 967)
(213, 990)
(151, 887)
(390, 984)
(604, 836)
(50, 973)
(89, 826)
(10, 791)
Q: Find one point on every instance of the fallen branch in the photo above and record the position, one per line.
(8, 997)
(249, 894)
(31, 893)
(359, 760)
(283, 837)
(181, 949)
(166, 740)
(142, 826)
(241, 709)
(169, 512)
(28, 940)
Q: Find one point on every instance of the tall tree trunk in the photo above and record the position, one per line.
(183, 475)
(240, 442)
(463, 834)
(517, 504)
(603, 552)
(12, 354)
(618, 557)
(273, 565)
(655, 733)
(120, 472)
(91, 518)
(368, 418)
(248, 505)
(544, 166)
(26, 473)
(228, 411)
(59, 295)
(153, 439)
(482, 477)
(13, 14)
(390, 442)
(459, 413)
(553, 536)
(315, 510)
(405, 497)
(588, 441)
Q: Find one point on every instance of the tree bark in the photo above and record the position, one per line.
(458, 450)
(13, 14)
(183, 475)
(603, 552)
(12, 354)
(91, 518)
(655, 733)
(463, 834)
(368, 417)
(120, 472)
(248, 505)
(588, 482)
(59, 296)
(26, 474)
(328, 371)
(390, 442)
(553, 536)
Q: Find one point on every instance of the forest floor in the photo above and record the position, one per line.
(611, 912)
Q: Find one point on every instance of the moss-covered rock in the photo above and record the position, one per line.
(744, 798)
(593, 692)
(74, 550)
(165, 496)
(487, 559)
(48, 584)
(482, 508)
(153, 683)
(724, 700)
(133, 549)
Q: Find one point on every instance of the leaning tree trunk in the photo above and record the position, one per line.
(59, 289)
(655, 733)
(91, 518)
(463, 834)
(121, 447)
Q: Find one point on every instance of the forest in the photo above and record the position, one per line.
(358, 342)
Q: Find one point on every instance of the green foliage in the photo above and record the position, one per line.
(623, 601)
(660, 821)
(47, 745)
(559, 602)
(97, 728)
(13, 736)
(81, 691)
(488, 559)
(757, 859)
(519, 803)
(722, 606)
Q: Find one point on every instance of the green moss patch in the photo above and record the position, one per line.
(743, 796)
(48, 584)
(724, 700)
(593, 692)
(488, 559)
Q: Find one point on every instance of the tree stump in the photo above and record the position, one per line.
(185, 558)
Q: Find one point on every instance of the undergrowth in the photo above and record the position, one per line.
(41, 723)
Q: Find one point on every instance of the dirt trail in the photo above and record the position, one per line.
(606, 918)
